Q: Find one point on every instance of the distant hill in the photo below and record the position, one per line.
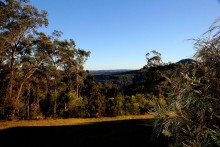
(187, 61)
(111, 72)
(132, 71)
(128, 81)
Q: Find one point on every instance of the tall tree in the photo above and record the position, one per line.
(18, 20)
(81, 57)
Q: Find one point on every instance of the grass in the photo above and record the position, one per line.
(115, 131)
(63, 122)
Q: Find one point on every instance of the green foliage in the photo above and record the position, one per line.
(119, 105)
(215, 135)
(135, 104)
(141, 100)
(75, 105)
(74, 101)
(111, 109)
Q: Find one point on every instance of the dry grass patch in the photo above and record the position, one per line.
(71, 121)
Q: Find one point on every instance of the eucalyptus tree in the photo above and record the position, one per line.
(27, 55)
(153, 58)
(80, 59)
(18, 21)
(155, 74)
(64, 53)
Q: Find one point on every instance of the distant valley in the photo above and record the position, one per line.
(110, 72)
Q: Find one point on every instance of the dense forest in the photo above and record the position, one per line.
(43, 76)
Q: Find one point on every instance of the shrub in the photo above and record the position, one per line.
(192, 116)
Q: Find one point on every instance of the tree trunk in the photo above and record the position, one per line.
(26, 77)
(28, 108)
(65, 107)
(28, 102)
(77, 82)
(55, 99)
(55, 108)
(11, 74)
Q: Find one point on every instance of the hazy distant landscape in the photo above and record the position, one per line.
(109, 72)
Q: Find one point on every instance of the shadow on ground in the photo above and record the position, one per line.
(125, 133)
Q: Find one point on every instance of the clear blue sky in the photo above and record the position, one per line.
(120, 32)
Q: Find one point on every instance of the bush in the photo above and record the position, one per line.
(192, 116)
